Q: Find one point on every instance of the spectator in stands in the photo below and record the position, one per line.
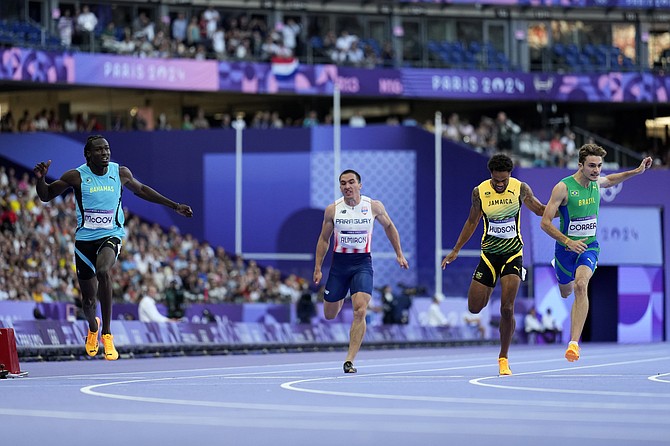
(70, 125)
(569, 145)
(388, 55)
(553, 331)
(501, 253)
(219, 42)
(473, 322)
(506, 131)
(8, 219)
(557, 151)
(109, 42)
(66, 28)
(179, 25)
(354, 55)
(200, 121)
(147, 309)
(86, 23)
(391, 306)
(290, 32)
(435, 317)
(7, 123)
(357, 119)
(532, 326)
(452, 128)
(100, 219)
(174, 297)
(193, 32)
(211, 18)
(351, 269)
(186, 123)
(305, 308)
(311, 120)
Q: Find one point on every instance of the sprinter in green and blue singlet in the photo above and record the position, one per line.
(498, 202)
(97, 187)
(577, 200)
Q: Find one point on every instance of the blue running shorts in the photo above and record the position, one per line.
(566, 262)
(348, 273)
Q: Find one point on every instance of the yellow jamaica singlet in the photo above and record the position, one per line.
(501, 218)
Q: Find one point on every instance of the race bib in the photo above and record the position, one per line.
(505, 228)
(583, 227)
(97, 219)
(353, 239)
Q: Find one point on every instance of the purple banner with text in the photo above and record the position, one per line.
(636, 4)
(128, 333)
(26, 65)
(163, 74)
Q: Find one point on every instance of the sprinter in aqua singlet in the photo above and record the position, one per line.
(497, 202)
(97, 189)
(351, 218)
(577, 200)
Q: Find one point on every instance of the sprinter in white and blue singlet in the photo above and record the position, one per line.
(351, 218)
(497, 201)
(97, 187)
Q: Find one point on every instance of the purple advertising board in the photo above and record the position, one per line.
(28, 65)
(636, 4)
(162, 74)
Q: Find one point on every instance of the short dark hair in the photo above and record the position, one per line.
(590, 150)
(358, 177)
(500, 163)
(89, 143)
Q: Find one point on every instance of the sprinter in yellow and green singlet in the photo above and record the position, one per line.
(498, 202)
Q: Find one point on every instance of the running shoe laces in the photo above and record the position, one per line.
(92, 343)
(503, 367)
(349, 367)
(108, 343)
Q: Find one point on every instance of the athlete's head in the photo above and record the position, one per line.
(591, 161)
(500, 167)
(500, 163)
(90, 144)
(96, 150)
(590, 150)
(350, 171)
(350, 184)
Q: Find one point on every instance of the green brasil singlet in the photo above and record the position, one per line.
(579, 218)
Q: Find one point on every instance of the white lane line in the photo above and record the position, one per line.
(507, 382)
(495, 428)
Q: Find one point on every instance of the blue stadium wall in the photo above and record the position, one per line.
(288, 181)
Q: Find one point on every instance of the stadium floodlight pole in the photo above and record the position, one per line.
(238, 125)
(337, 144)
(438, 202)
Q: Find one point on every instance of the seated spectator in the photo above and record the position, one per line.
(532, 326)
(305, 308)
(148, 310)
(435, 317)
(474, 324)
(357, 119)
(311, 120)
(553, 331)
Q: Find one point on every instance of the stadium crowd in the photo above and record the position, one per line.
(37, 260)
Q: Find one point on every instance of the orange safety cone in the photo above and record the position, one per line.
(9, 358)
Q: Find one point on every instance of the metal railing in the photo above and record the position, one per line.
(623, 156)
